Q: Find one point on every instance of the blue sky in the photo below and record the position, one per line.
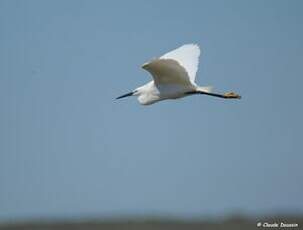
(67, 148)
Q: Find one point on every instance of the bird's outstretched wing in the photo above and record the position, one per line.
(176, 67)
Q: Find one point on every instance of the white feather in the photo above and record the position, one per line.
(188, 57)
(178, 67)
(207, 89)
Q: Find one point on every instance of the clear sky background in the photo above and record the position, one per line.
(68, 149)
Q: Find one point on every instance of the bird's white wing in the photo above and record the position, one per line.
(188, 57)
(176, 67)
(167, 71)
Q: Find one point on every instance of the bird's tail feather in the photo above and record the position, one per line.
(207, 89)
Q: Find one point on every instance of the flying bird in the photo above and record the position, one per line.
(174, 76)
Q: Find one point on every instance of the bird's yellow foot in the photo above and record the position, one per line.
(232, 95)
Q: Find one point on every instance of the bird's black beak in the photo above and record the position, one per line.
(126, 95)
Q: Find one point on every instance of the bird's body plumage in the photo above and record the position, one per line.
(173, 76)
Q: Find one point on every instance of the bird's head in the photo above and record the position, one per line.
(146, 94)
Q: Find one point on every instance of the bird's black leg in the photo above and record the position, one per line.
(230, 95)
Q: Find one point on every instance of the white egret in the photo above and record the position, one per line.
(174, 76)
